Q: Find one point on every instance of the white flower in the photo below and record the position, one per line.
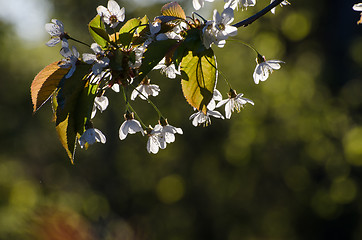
(222, 23)
(130, 125)
(200, 118)
(358, 7)
(199, 3)
(70, 61)
(56, 31)
(113, 14)
(234, 102)
(90, 136)
(155, 142)
(99, 59)
(235, 4)
(168, 133)
(285, 2)
(115, 87)
(100, 103)
(264, 68)
(168, 69)
(145, 89)
(218, 30)
(209, 36)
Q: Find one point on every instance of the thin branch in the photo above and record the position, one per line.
(251, 19)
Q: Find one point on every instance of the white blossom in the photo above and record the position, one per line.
(155, 142)
(169, 69)
(100, 103)
(145, 89)
(90, 136)
(131, 126)
(219, 29)
(56, 31)
(168, 132)
(113, 14)
(200, 118)
(70, 59)
(234, 102)
(99, 60)
(285, 2)
(264, 68)
(199, 3)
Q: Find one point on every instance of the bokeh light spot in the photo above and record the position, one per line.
(170, 189)
(353, 146)
(296, 26)
(343, 190)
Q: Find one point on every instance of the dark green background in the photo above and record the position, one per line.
(287, 168)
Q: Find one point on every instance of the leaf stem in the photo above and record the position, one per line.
(251, 19)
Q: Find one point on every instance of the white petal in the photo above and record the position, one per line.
(99, 136)
(152, 145)
(113, 7)
(102, 11)
(52, 42)
(115, 87)
(96, 48)
(228, 109)
(123, 130)
(198, 4)
(217, 95)
(134, 126)
(357, 7)
(101, 103)
(89, 58)
(222, 102)
(227, 16)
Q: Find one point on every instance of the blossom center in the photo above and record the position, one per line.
(221, 26)
(113, 19)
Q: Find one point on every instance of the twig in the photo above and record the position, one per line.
(251, 19)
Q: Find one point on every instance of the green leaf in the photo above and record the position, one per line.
(154, 54)
(68, 112)
(98, 32)
(127, 31)
(199, 78)
(45, 83)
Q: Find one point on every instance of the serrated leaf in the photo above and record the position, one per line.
(154, 54)
(45, 83)
(98, 32)
(127, 31)
(199, 78)
(173, 9)
(67, 110)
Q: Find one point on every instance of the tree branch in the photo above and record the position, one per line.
(251, 19)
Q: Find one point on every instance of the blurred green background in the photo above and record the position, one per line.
(287, 168)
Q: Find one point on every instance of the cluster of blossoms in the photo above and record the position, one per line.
(119, 62)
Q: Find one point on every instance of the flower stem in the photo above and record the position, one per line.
(246, 44)
(75, 40)
(251, 19)
(131, 108)
(150, 102)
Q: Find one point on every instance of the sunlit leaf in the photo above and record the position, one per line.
(199, 78)
(173, 9)
(97, 30)
(127, 31)
(45, 83)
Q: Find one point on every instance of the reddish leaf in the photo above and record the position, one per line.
(173, 9)
(45, 83)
